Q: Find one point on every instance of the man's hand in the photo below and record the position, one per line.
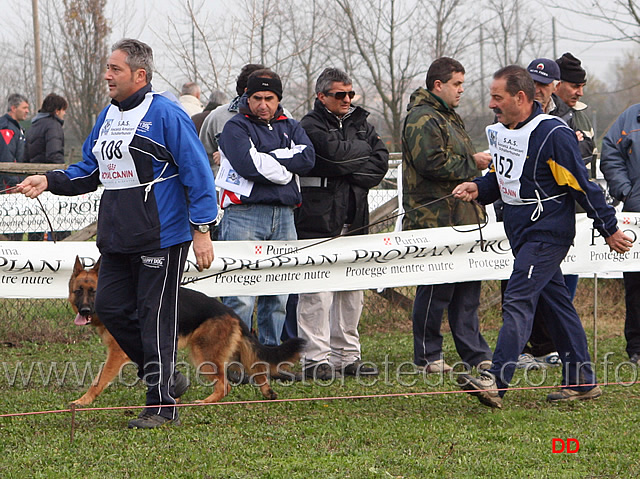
(203, 250)
(482, 160)
(466, 191)
(216, 157)
(619, 242)
(32, 186)
(579, 135)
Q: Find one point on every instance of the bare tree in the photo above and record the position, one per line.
(622, 15)
(77, 32)
(388, 35)
(309, 38)
(513, 32)
(197, 48)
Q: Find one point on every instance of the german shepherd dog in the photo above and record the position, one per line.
(213, 332)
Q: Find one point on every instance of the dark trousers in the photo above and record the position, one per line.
(461, 301)
(540, 342)
(137, 301)
(632, 318)
(537, 281)
(290, 328)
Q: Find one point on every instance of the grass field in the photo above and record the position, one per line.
(405, 436)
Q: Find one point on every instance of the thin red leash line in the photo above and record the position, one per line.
(328, 398)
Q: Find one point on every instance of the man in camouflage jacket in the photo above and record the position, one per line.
(438, 154)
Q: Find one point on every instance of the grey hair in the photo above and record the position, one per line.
(190, 88)
(328, 77)
(139, 55)
(15, 99)
(218, 97)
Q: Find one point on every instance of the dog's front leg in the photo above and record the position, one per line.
(116, 358)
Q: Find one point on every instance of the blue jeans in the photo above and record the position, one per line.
(259, 223)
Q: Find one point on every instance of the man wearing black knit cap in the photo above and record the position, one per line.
(262, 152)
(573, 78)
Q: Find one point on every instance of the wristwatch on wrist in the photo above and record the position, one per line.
(204, 228)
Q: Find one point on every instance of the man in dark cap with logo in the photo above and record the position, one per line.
(545, 74)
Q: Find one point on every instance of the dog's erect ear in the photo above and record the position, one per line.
(77, 267)
(96, 268)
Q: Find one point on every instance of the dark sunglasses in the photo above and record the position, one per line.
(340, 95)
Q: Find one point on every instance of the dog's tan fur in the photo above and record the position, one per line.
(218, 339)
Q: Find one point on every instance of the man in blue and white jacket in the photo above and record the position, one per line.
(159, 197)
(262, 152)
(538, 173)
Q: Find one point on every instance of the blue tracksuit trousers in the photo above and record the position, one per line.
(537, 280)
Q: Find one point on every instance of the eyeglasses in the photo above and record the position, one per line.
(340, 95)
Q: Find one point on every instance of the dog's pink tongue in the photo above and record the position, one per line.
(80, 320)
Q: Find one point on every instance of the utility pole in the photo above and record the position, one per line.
(37, 54)
(481, 68)
(553, 37)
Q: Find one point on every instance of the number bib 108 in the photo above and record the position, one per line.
(117, 168)
(509, 149)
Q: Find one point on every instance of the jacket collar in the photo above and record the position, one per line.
(319, 107)
(537, 110)
(421, 96)
(243, 108)
(134, 100)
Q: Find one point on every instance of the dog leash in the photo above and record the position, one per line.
(349, 233)
(53, 233)
(325, 240)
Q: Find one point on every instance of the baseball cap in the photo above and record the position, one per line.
(544, 70)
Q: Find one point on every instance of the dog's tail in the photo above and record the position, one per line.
(278, 358)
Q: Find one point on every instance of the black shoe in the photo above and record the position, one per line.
(180, 384)
(635, 358)
(151, 421)
(322, 371)
(359, 368)
(286, 376)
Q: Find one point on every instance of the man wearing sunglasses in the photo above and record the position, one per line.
(350, 159)
(437, 154)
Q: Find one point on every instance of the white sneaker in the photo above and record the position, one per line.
(550, 360)
(527, 361)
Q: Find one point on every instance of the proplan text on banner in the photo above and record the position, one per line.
(429, 256)
(19, 214)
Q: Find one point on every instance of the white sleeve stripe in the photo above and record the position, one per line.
(269, 167)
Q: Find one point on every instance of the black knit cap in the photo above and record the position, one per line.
(257, 83)
(570, 69)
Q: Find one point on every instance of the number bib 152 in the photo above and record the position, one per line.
(509, 150)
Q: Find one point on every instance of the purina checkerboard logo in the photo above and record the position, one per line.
(387, 241)
(626, 220)
(258, 249)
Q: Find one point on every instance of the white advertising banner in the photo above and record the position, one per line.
(19, 214)
(429, 256)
